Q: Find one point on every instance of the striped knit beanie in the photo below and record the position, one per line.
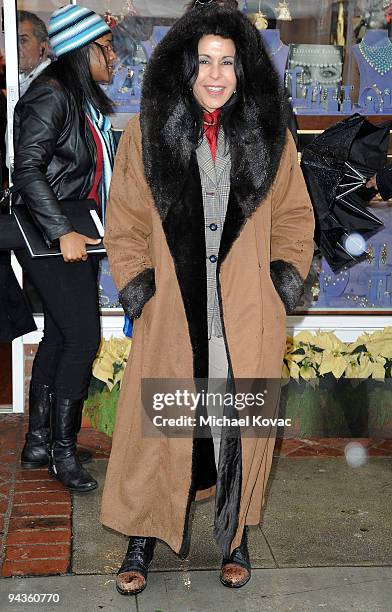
(73, 26)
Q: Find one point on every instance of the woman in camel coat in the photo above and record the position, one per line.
(158, 244)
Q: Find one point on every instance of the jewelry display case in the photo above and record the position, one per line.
(339, 63)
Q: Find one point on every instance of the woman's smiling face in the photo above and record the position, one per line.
(102, 56)
(216, 81)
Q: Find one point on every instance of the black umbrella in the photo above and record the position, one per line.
(336, 167)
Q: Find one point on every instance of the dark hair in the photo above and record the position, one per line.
(226, 3)
(39, 27)
(228, 115)
(73, 71)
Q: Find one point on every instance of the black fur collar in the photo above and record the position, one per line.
(167, 126)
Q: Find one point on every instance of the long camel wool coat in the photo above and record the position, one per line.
(155, 239)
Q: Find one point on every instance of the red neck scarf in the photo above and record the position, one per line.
(211, 129)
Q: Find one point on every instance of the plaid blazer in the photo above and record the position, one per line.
(215, 184)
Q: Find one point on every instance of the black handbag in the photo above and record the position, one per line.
(10, 236)
(16, 318)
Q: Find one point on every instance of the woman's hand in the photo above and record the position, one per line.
(372, 182)
(73, 246)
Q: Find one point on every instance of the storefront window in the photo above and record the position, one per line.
(335, 59)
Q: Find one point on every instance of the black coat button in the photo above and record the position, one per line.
(213, 227)
(213, 258)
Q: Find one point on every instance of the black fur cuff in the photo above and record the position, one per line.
(288, 283)
(138, 291)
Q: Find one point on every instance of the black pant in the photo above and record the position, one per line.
(69, 293)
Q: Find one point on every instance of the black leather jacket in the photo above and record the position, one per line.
(55, 153)
(384, 182)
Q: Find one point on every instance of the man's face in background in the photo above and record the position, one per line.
(31, 51)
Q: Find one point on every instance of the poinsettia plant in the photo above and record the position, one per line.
(111, 360)
(310, 356)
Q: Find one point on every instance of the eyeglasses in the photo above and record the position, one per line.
(204, 2)
(107, 48)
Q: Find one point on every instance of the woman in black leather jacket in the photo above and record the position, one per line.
(64, 150)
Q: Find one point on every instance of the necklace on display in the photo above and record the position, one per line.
(272, 51)
(379, 58)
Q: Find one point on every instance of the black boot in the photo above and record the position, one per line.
(35, 453)
(84, 455)
(64, 464)
(132, 575)
(236, 569)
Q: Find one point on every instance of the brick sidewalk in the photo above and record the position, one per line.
(36, 511)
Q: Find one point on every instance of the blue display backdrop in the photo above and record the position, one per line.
(108, 295)
(135, 38)
(367, 285)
